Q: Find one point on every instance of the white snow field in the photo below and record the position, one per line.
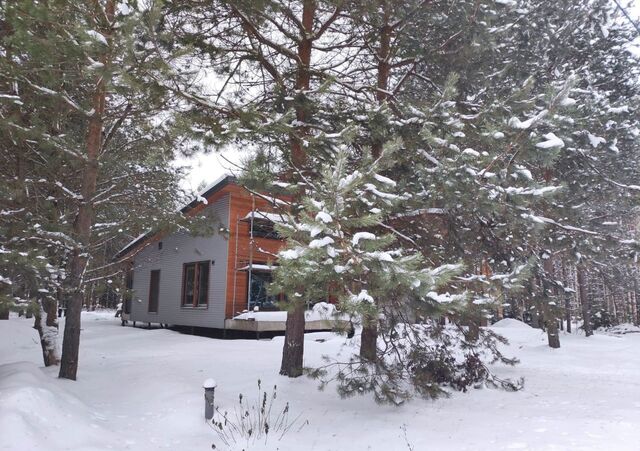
(142, 390)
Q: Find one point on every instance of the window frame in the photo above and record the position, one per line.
(151, 291)
(264, 228)
(196, 285)
(276, 298)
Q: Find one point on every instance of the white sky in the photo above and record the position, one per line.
(205, 168)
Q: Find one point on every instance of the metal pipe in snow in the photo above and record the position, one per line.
(209, 398)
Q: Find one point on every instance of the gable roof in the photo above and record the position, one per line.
(201, 197)
(209, 191)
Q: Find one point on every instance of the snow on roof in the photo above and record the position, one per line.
(205, 193)
(257, 267)
(213, 184)
(134, 243)
(270, 216)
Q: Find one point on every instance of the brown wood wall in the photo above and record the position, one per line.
(241, 204)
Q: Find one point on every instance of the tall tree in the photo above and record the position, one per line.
(272, 59)
(102, 20)
(92, 151)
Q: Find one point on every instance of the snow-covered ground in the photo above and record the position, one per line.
(142, 390)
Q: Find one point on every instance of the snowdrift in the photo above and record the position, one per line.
(511, 323)
(38, 413)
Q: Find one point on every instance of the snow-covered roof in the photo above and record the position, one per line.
(134, 243)
(257, 267)
(269, 216)
(208, 191)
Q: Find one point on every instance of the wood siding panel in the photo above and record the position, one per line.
(177, 249)
(264, 249)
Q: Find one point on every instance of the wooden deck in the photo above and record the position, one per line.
(249, 325)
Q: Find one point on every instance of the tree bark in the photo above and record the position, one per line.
(84, 219)
(553, 335)
(473, 332)
(293, 350)
(46, 324)
(550, 306)
(369, 340)
(567, 311)
(567, 297)
(584, 299)
(369, 336)
(535, 317)
(636, 317)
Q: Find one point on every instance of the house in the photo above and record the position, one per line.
(208, 281)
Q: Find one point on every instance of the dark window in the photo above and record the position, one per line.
(264, 228)
(258, 295)
(195, 284)
(154, 291)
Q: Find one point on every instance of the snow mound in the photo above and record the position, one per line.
(622, 329)
(36, 407)
(511, 323)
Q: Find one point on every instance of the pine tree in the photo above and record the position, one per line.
(510, 196)
(341, 247)
(273, 59)
(66, 205)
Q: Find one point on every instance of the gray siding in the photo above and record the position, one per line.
(177, 249)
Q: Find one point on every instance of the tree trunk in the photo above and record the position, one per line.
(567, 297)
(46, 324)
(369, 339)
(4, 307)
(84, 219)
(567, 311)
(535, 319)
(636, 317)
(292, 353)
(584, 299)
(473, 332)
(293, 350)
(550, 307)
(369, 336)
(553, 336)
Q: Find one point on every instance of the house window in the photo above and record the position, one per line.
(258, 294)
(154, 291)
(263, 228)
(195, 284)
